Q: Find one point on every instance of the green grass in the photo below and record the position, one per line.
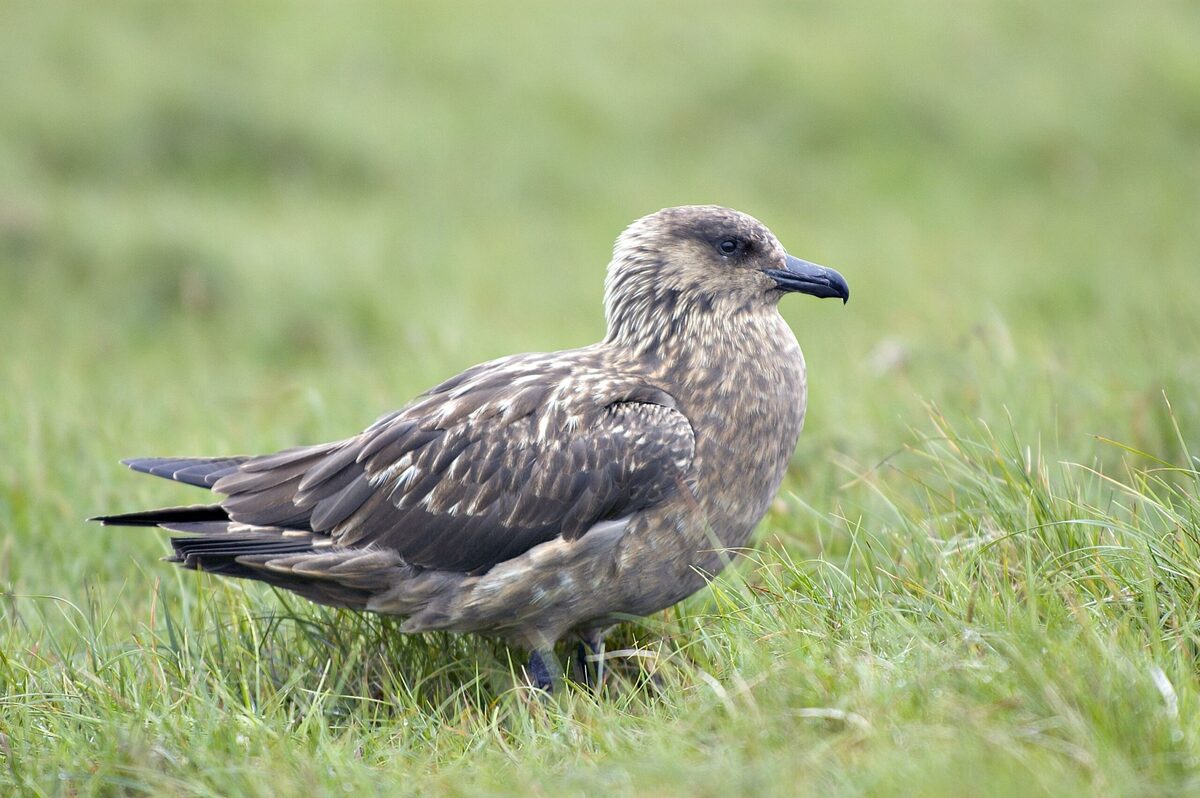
(237, 227)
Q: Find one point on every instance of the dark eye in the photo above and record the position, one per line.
(728, 245)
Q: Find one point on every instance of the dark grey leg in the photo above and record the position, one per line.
(539, 673)
(591, 643)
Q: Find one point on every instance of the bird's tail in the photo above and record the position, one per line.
(203, 472)
(302, 562)
(192, 514)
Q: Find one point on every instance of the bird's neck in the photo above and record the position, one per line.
(669, 320)
(685, 339)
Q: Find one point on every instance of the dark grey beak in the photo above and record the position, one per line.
(809, 278)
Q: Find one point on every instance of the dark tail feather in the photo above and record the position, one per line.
(223, 554)
(167, 515)
(219, 553)
(203, 472)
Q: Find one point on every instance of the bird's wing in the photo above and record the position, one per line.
(482, 468)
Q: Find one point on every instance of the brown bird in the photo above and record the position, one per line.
(547, 494)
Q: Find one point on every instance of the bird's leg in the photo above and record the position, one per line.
(591, 647)
(542, 669)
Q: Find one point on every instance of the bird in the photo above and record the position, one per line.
(548, 496)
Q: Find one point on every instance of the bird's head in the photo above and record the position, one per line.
(704, 258)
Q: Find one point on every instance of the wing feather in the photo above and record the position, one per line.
(480, 469)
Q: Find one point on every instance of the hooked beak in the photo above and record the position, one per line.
(809, 278)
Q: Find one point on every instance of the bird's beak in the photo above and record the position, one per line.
(809, 278)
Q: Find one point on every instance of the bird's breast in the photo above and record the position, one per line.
(745, 390)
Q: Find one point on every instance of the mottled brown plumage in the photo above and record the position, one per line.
(549, 493)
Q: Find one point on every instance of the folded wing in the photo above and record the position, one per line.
(480, 469)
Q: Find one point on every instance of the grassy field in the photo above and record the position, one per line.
(232, 227)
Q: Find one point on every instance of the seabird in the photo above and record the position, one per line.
(549, 494)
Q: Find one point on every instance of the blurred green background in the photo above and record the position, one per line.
(237, 227)
(233, 227)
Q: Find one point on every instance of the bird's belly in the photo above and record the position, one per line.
(536, 597)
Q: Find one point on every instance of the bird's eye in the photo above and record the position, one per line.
(728, 245)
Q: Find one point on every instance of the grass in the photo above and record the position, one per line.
(240, 227)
